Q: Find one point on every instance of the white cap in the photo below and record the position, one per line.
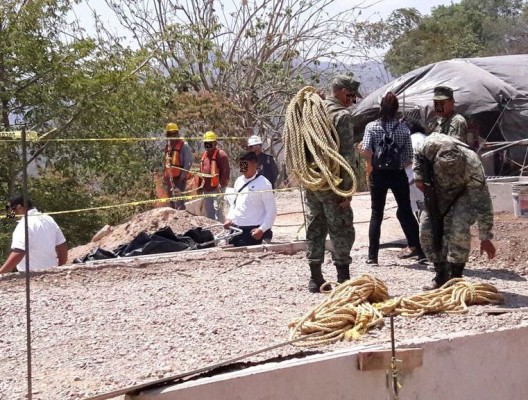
(254, 140)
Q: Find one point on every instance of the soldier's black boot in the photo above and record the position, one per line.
(457, 269)
(316, 278)
(343, 272)
(441, 277)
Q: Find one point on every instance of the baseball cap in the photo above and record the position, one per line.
(254, 140)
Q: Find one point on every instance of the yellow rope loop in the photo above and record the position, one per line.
(345, 314)
(311, 145)
(356, 306)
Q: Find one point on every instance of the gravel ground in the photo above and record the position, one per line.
(100, 329)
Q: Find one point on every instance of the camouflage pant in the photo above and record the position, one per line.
(326, 217)
(456, 243)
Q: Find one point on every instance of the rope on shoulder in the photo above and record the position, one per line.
(311, 145)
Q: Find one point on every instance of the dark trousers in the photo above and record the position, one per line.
(245, 239)
(380, 183)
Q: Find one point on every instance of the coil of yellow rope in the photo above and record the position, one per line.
(311, 145)
(357, 305)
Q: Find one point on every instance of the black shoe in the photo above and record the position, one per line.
(373, 262)
(432, 286)
(343, 273)
(316, 278)
(315, 287)
(421, 258)
(441, 277)
(457, 269)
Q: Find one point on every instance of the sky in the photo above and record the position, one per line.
(385, 7)
(377, 7)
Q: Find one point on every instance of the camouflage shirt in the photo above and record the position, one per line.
(470, 177)
(455, 126)
(342, 120)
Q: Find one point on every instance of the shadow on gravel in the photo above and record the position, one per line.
(399, 244)
(489, 273)
(485, 274)
(513, 300)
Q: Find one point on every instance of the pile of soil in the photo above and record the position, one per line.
(510, 242)
(110, 237)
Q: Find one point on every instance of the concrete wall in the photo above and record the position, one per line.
(501, 192)
(488, 366)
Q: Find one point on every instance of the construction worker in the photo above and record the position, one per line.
(177, 162)
(214, 162)
(267, 164)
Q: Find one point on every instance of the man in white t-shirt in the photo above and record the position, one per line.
(253, 209)
(417, 139)
(47, 245)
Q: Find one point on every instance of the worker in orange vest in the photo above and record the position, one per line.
(177, 162)
(214, 162)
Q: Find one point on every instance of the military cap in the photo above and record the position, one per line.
(443, 93)
(348, 83)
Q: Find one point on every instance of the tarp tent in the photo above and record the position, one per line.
(492, 91)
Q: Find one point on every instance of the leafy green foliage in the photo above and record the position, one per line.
(470, 28)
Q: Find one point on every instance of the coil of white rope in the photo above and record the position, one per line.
(311, 145)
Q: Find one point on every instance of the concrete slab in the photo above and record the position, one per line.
(487, 366)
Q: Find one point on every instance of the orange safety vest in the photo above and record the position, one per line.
(173, 159)
(215, 180)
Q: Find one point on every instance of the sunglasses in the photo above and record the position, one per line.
(208, 145)
(351, 96)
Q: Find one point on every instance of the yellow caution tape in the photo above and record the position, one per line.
(152, 201)
(122, 140)
(15, 136)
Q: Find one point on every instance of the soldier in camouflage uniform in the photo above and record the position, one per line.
(462, 198)
(329, 213)
(449, 122)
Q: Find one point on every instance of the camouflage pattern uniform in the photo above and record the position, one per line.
(455, 126)
(473, 205)
(324, 214)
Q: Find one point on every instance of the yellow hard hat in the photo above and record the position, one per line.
(171, 126)
(209, 137)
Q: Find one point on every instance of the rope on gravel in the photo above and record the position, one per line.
(357, 305)
(311, 145)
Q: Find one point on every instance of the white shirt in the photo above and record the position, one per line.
(44, 236)
(416, 195)
(253, 209)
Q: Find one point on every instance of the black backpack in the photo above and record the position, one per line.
(387, 155)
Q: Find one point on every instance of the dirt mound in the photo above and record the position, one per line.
(110, 237)
(509, 239)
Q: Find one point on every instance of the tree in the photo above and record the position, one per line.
(255, 53)
(68, 86)
(470, 28)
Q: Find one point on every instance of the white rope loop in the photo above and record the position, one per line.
(311, 145)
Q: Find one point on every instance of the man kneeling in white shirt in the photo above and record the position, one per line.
(253, 209)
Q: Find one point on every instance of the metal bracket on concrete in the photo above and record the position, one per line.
(410, 358)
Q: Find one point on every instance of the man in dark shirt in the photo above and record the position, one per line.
(267, 164)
